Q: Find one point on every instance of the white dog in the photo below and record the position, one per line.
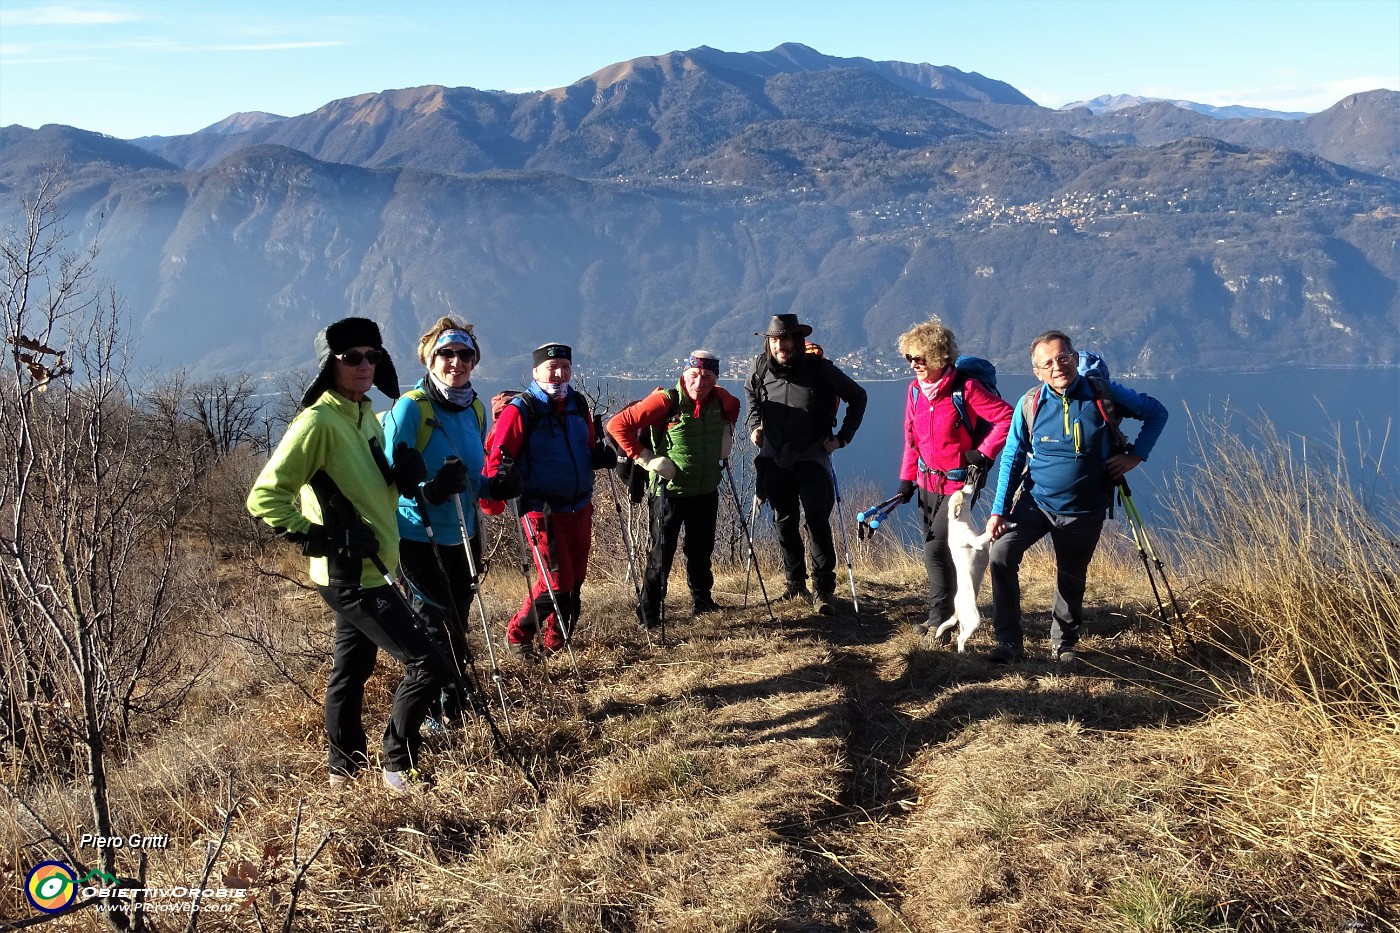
(970, 560)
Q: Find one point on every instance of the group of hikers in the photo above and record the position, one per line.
(366, 498)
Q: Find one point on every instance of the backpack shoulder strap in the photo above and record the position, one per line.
(425, 418)
(658, 436)
(528, 413)
(479, 410)
(959, 402)
(1029, 403)
(1103, 398)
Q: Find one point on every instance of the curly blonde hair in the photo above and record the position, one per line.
(446, 323)
(931, 340)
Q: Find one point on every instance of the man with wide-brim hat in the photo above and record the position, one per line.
(781, 324)
(794, 395)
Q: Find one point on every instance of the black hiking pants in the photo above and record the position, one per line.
(697, 515)
(938, 557)
(365, 621)
(806, 484)
(435, 598)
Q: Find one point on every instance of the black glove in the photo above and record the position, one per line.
(976, 458)
(603, 457)
(356, 541)
(451, 479)
(409, 470)
(907, 488)
(504, 485)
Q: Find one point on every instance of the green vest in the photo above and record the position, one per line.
(693, 444)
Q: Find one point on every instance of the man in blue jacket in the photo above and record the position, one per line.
(1066, 454)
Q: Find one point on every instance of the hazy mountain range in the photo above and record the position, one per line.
(1106, 103)
(676, 201)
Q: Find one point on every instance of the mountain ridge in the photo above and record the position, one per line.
(675, 201)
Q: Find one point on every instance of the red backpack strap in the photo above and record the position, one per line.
(1029, 403)
(1104, 400)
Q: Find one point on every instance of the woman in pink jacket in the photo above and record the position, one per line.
(942, 446)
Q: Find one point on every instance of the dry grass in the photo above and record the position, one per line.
(835, 774)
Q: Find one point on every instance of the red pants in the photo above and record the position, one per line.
(561, 540)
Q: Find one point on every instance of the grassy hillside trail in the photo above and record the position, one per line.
(809, 774)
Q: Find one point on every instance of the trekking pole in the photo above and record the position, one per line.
(753, 558)
(420, 502)
(496, 677)
(626, 537)
(543, 570)
(468, 689)
(333, 500)
(449, 624)
(749, 562)
(845, 542)
(660, 525)
(1146, 551)
(870, 519)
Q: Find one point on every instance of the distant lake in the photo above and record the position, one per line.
(1364, 404)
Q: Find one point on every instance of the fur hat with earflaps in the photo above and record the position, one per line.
(339, 337)
(785, 324)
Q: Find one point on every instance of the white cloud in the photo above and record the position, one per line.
(63, 15)
(268, 46)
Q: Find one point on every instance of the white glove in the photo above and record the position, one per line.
(661, 466)
(726, 441)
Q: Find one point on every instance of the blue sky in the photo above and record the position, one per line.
(162, 67)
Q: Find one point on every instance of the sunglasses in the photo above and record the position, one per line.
(447, 353)
(355, 357)
(914, 359)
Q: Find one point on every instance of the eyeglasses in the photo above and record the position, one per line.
(1064, 361)
(915, 360)
(355, 357)
(447, 353)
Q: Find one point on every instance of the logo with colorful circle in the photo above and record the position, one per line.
(51, 887)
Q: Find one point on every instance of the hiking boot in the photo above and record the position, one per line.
(524, 650)
(647, 619)
(404, 781)
(703, 604)
(339, 780)
(921, 628)
(796, 591)
(821, 602)
(1066, 657)
(1004, 653)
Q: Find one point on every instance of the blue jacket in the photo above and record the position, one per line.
(1068, 447)
(459, 436)
(555, 459)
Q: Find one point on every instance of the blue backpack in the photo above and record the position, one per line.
(985, 372)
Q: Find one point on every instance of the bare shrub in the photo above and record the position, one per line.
(91, 490)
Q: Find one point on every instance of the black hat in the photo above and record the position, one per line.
(553, 351)
(785, 324)
(339, 337)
